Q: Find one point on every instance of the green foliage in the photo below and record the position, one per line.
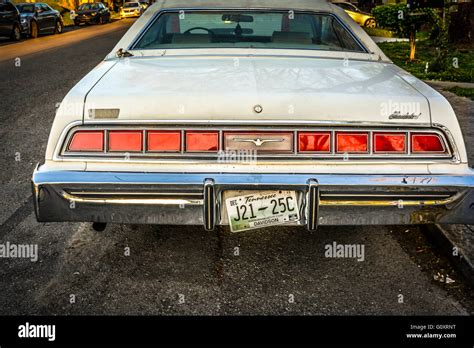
(428, 53)
(391, 17)
(399, 19)
(463, 92)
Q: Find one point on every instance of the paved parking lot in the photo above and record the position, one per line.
(185, 270)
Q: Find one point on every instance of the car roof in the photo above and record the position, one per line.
(312, 5)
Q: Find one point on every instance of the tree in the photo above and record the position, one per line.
(402, 19)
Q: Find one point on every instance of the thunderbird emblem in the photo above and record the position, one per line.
(258, 141)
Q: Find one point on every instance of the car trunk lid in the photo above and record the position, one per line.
(250, 89)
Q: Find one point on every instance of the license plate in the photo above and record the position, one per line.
(262, 209)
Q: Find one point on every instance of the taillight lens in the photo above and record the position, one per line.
(314, 142)
(390, 142)
(424, 142)
(352, 142)
(125, 141)
(162, 141)
(202, 141)
(88, 141)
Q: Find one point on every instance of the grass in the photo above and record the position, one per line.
(398, 52)
(463, 92)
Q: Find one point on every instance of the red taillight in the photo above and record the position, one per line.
(424, 142)
(202, 141)
(164, 141)
(89, 141)
(314, 142)
(352, 142)
(390, 142)
(125, 141)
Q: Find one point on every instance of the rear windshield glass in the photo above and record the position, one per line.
(251, 29)
(86, 7)
(131, 4)
(26, 8)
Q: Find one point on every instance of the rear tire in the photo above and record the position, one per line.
(33, 29)
(16, 33)
(58, 28)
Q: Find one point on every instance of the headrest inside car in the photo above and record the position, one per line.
(190, 38)
(291, 37)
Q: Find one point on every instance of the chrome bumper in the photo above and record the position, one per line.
(198, 199)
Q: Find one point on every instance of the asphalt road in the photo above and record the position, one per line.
(185, 270)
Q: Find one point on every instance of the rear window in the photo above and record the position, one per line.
(252, 29)
(26, 8)
(131, 4)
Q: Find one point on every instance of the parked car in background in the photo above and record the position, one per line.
(362, 18)
(92, 13)
(131, 9)
(144, 3)
(39, 18)
(251, 114)
(9, 21)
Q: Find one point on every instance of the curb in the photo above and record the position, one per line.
(448, 237)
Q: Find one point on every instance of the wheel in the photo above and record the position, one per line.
(101, 20)
(77, 24)
(58, 29)
(370, 23)
(33, 29)
(16, 33)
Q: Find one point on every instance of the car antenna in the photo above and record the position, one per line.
(121, 53)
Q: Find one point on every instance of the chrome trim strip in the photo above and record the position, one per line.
(385, 203)
(394, 195)
(184, 180)
(141, 201)
(135, 193)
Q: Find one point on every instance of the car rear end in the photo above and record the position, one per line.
(252, 137)
(131, 10)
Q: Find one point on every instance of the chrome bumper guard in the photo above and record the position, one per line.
(197, 198)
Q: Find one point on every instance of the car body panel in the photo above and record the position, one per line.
(9, 18)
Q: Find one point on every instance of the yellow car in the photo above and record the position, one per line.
(362, 18)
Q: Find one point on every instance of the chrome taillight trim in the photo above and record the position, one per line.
(63, 154)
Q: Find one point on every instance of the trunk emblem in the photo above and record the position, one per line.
(258, 109)
(258, 142)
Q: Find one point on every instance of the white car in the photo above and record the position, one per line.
(253, 114)
(131, 9)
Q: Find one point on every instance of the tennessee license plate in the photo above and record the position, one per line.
(262, 209)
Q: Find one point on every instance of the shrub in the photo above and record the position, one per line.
(388, 17)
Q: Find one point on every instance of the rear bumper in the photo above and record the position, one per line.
(198, 199)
